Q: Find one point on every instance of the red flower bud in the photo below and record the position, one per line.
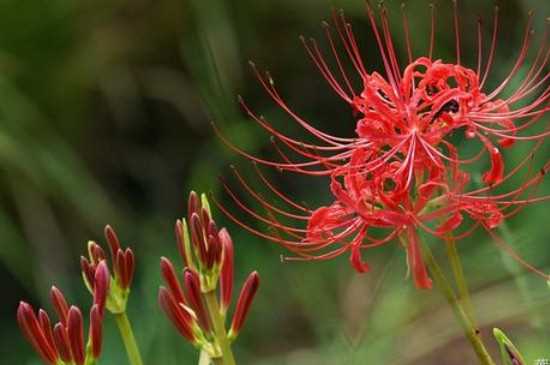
(193, 287)
(193, 205)
(214, 252)
(119, 266)
(112, 240)
(177, 314)
(129, 268)
(61, 339)
(60, 304)
(197, 238)
(246, 296)
(46, 326)
(170, 277)
(226, 277)
(87, 271)
(33, 331)
(76, 335)
(178, 231)
(205, 218)
(96, 329)
(102, 279)
(96, 252)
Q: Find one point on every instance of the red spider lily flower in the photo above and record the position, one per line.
(401, 172)
(64, 342)
(123, 267)
(207, 255)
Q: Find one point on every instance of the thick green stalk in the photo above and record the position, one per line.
(468, 326)
(217, 321)
(128, 338)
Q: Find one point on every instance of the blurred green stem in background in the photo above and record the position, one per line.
(464, 318)
(460, 279)
(128, 338)
(219, 330)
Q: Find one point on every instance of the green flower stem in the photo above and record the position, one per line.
(460, 279)
(217, 321)
(470, 329)
(128, 338)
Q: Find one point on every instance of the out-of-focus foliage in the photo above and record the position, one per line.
(104, 118)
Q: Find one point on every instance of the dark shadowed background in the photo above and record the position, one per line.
(105, 110)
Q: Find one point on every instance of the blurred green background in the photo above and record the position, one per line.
(105, 110)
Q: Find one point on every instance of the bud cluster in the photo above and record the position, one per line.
(123, 266)
(194, 308)
(63, 344)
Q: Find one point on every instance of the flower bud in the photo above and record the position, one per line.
(60, 304)
(182, 242)
(170, 277)
(243, 304)
(102, 279)
(193, 287)
(112, 240)
(76, 335)
(95, 335)
(179, 317)
(226, 277)
(193, 205)
(32, 330)
(61, 339)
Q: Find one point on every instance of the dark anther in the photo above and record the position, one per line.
(431, 90)
(449, 107)
(383, 95)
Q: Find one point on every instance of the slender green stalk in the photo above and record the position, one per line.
(219, 330)
(460, 279)
(128, 338)
(468, 326)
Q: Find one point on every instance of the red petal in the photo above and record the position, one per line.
(451, 224)
(356, 260)
(496, 173)
(416, 263)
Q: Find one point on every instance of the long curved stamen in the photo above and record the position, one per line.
(492, 50)
(457, 30)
